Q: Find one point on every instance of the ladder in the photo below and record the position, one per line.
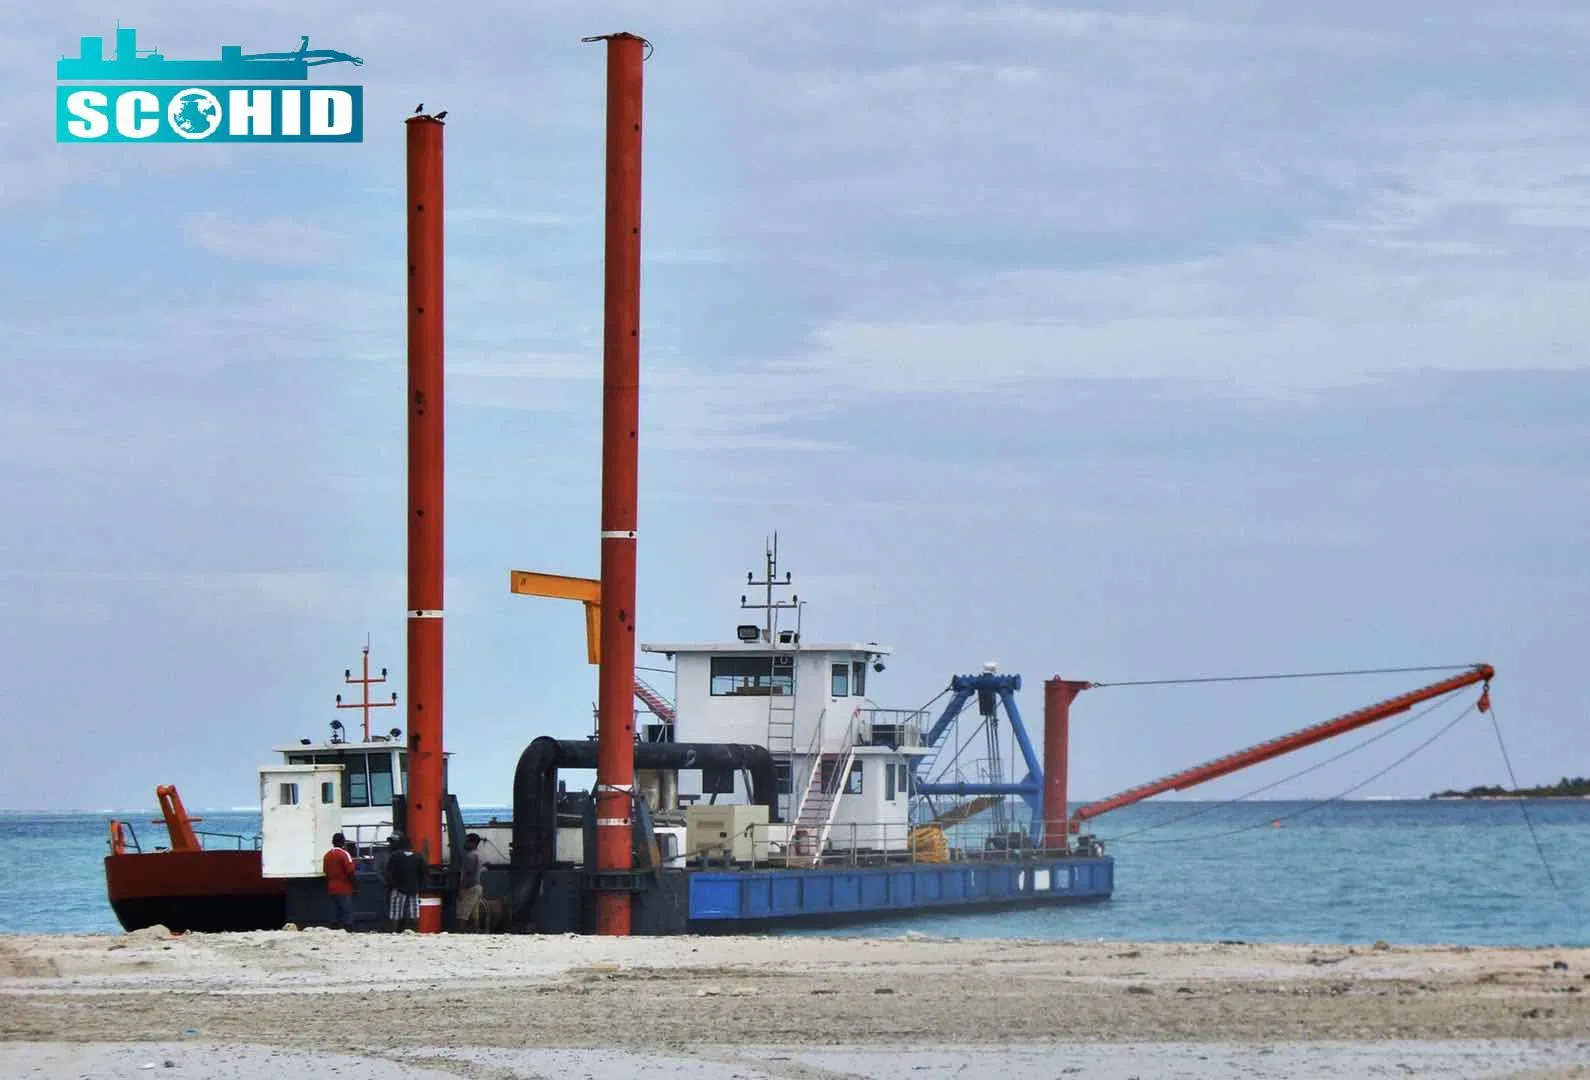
(781, 707)
(783, 653)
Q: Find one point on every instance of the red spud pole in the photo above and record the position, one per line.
(425, 769)
(615, 754)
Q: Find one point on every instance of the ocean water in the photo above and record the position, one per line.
(1415, 872)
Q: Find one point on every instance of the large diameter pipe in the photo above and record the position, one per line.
(535, 783)
(1058, 694)
(615, 767)
(425, 769)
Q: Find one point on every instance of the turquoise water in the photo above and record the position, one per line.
(1407, 872)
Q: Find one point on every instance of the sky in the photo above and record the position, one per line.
(1119, 342)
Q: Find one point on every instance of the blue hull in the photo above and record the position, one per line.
(753, 900)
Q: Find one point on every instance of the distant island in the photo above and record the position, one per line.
(1574, 787)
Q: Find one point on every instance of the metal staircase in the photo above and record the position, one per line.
(659, 706)
(814, 821)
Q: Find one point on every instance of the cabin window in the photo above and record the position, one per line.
(840, 674)
(300, 759)
(756, 676)
(853, 787)
(786, 781)
(889, 776)
(288, 795)
(355, 781)
(328, 792)
(904, 781)
(380, 779)
(858, 678)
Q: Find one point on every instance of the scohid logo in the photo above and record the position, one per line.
(111, 100)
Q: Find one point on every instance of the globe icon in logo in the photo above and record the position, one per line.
(194, 113)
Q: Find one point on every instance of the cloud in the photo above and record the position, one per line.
(478, 215)
(276, 240)
(1029, 21)
(235, 598)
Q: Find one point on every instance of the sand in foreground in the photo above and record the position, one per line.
(784, 1007)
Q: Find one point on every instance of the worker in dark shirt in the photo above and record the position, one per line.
(469, 889)
(404, 875)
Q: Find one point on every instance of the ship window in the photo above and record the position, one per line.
(355, 781)
(888, 783)
(840, 674)
(380, 779)
(288, 796)
(858, 678)
(786, 784)
(905, 779)
(854, 786)
(753, 675)
(328, 792)
(300, 759)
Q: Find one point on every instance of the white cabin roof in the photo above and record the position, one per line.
(326, 746)
(870, 648)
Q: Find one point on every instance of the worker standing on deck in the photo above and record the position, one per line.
(404, 875)
(469, 889)
(339, 870)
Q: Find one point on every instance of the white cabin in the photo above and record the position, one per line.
(322, 788)
(844, 764)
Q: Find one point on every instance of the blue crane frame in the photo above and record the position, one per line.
(991, 690)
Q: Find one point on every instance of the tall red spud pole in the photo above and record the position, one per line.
(425, 771)
(1058, 694)
(615, 752)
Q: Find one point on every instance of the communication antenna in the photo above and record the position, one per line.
(366, 682)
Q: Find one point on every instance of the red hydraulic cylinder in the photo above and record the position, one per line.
(615, 753)
(425, 760)
(1058, 694)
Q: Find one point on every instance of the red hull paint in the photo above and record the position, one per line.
(193, 890)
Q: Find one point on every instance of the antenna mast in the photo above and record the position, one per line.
(366, 681)
(769, 605)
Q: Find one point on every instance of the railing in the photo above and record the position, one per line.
(368, 837)
(240, 842)
(124, 840)
(891, 727)
(878, 844)
(814, 750)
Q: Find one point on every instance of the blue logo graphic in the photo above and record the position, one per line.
(112, 101)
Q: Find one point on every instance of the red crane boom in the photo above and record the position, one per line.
(1285, 744)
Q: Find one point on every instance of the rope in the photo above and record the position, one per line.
(1288, 675)
(1323, 802)
(1383, 733)
(1512, 779)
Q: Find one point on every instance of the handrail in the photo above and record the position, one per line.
(882, 843)
(814, 749)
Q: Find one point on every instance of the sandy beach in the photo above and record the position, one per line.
(318, 1002)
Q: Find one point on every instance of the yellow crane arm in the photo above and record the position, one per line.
(559, 587)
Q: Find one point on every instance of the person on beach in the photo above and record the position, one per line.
(338, 866)
(469, 889)
(404, 874)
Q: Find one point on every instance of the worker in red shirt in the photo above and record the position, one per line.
(338, 865)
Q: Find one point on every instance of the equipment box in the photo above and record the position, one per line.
(725, 832)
